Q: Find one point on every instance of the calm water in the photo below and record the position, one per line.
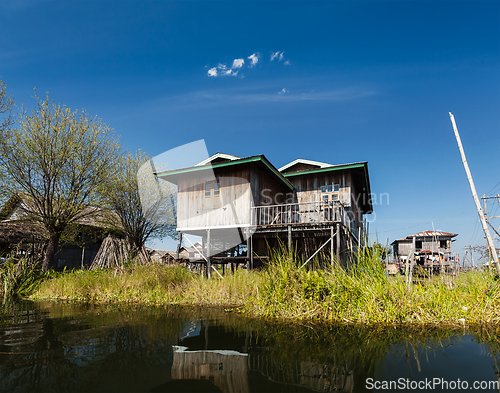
(61, 347)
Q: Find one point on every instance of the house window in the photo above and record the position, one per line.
(336, 188)
(443, 243)
(325, 200)
(208, 188)
(330, 188)
(335, 197)
(418, 244)
(323, 188)
(216, 188)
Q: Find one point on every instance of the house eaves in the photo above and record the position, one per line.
(172, 176)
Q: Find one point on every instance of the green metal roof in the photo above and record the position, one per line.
(357, 165)
(261, 158)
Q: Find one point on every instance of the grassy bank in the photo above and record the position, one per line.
(150, 284)
(361, 295)
(364, 294)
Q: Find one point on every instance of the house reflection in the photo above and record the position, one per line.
(226, 369)
(230, 371)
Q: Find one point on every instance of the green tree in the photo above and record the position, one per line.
(57, 159)
(145, 206)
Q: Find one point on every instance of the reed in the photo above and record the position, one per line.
(20, 276)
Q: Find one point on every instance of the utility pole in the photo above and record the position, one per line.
(474, 195)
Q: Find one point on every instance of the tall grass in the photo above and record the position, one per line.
(361, 293)
(20, 277)
(149, 284)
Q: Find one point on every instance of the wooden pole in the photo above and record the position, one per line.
(387, 258)
(251, 250)
(474, 195)
(338, 244)
(179, 244)
(290, 242)
(209, 265)
(248, 250)
(331, 246)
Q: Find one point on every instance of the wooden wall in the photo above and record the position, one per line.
(241, 187)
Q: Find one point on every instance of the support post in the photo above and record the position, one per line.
(209, 265)
(331, 246)
(338, 244)
(248, 249)
(179, 244)
(251, 250)
(290, 241)
(474, 195)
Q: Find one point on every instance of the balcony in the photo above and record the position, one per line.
(303, 214)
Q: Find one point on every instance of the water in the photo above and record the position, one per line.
(61, 347)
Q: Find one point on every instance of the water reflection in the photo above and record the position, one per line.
(46, 346)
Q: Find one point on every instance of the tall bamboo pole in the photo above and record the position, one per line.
(474, 195)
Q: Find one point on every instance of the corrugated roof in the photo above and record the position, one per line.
(433, 233)
(225, 156)
(308, 162)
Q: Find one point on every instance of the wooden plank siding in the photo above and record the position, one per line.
(241, 187)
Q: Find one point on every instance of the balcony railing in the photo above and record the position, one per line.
(298, 213)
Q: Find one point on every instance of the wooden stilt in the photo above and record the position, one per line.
(209, 265)
(338, 243)
(248, 249)
(290, 241)
(251, 252)
(331, 246)
(179, 244)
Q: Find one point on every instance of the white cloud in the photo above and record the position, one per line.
(275, 55)
(213, 72)
(254, 59)
(238, 63)
(280, 56)
(283, 91)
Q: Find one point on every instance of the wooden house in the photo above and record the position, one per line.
(230, 201)
(23, 235)
(435, 245)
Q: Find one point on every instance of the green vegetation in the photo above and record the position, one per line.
(150, 284)
(20, 277)
(362, 294)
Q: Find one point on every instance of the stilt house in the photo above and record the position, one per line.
(242, 207)
(435, 244)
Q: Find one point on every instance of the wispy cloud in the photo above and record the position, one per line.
(254, 58)
(222, 70)
(239, 63)
(225, 97)
(277, 56)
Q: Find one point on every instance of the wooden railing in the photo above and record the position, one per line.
(298, 213)
(305, 213)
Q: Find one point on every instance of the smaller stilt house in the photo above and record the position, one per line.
(428, 247)
(246, 204)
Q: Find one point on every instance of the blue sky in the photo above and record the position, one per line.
(350, 81)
